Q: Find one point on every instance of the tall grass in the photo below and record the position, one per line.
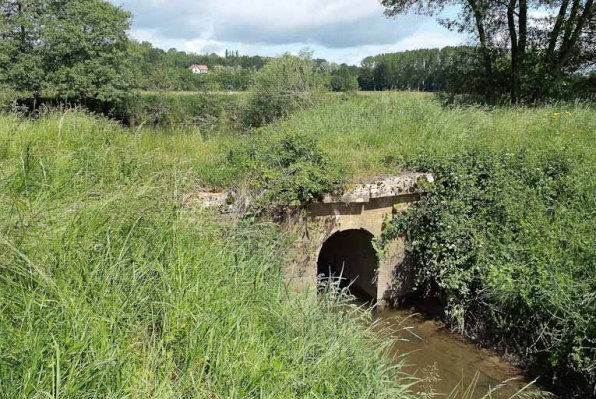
(379, 133)
(112, 286)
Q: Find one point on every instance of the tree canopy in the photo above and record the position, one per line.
(541, 40)
(68, 49)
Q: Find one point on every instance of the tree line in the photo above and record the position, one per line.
(527, 50)
(79, 51)
(419, 70)
(167, 70)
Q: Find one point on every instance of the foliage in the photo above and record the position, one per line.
(164, 109)
(72, 50)
(294, 170)
(283, 86)
(518, 181)
(507, 240)
(168, 70)
(537, 204)
(344, 81)
(114, 284)
(537, 51)
(287, 169)
(450, 69)
(9, 100)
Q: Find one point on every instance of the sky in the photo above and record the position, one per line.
(337, 30)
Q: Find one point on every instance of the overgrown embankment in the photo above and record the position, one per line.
(113, 284)
(169, 109)
(506, 240)
(507, 237)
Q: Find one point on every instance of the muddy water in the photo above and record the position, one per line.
(444, 360)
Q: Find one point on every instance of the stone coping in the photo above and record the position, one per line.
(383, 187)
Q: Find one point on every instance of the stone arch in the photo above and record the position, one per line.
(364, 207)
(350, 254)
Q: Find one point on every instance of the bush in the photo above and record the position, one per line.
(282, 87)
(508, 241)
(9, 100)
(289, 170)
(295, 170)
(343, 81)
(172, 109)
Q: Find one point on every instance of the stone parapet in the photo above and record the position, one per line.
(383, 187)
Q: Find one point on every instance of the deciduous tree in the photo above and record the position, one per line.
(68, 49)
(544, 39)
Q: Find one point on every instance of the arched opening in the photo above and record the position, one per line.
(351, 255)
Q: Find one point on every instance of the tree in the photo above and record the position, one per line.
(556, 45)
(285, 85)
(344, 80)
(68, 49)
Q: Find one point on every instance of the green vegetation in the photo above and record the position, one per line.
(113, 283)
(506, 239)
(285, 170)
(284, 86)
(163, 109)
(451, 69)
(168, 70)
(68, 50)
(344, 80)
(526, 51)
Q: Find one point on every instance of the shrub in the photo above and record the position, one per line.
(295, 170)
(343, 81)
(283, 86)
(9, 100)
(508, 241)
(172, 109)
(288, 170)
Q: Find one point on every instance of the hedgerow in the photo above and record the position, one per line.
(507, 239)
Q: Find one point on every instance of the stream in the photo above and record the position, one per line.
(443, 360)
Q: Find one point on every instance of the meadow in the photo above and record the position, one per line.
(113, 284)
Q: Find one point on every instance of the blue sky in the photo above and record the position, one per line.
(338, 30)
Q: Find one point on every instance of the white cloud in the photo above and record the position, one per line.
(341, 30)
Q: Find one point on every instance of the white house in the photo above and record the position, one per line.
(199, 69)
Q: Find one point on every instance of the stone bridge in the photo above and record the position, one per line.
(335, 239)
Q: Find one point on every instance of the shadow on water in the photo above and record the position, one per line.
(448, 365)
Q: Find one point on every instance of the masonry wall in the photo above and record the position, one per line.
(319, 221)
